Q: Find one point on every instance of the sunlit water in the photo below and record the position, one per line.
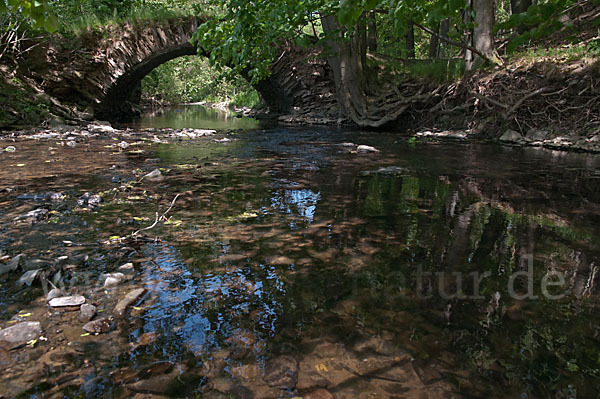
(194, 116)
(290, 264)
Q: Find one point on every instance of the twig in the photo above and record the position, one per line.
(157, 217)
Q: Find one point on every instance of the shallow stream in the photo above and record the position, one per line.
(291, 262)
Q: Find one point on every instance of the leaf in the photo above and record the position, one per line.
(84, 334)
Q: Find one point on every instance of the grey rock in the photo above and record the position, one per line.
(98, 326)
(123, 145)
(64, 301)
(363, 149)
(112, 279)
(12, 265)
(536, 135)
(155, 175)
(511, 136)
(281, 372)
(86, 312)
(22, 332)
(128, 300)
(28, 277)
(54, 293)
(71, 143)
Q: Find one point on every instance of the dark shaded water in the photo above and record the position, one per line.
(289, 264)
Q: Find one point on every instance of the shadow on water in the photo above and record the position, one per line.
(290, 263)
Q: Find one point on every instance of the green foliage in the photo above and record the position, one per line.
(38, 12)
(192, 79)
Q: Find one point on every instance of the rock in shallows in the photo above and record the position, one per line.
(86, 312)
(63, 301)
(366, 148)
(54, 293)
(22, 332)
(98, 326)
(128, 300)
(282, 372)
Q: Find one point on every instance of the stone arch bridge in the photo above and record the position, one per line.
(100, 71)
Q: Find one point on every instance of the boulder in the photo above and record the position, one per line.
(363, 149)
(65, 301)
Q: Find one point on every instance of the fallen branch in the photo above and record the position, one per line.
(525, 98)
(157, 218)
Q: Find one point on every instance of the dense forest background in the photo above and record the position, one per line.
(371, 46)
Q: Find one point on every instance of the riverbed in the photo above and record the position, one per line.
(297, 262)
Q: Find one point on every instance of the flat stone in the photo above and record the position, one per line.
(86, 312)
(63, 301)
(98, 326)
(22, 332)
(127, 301)
(281, 372)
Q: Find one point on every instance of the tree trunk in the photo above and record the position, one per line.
(348, 70)
(468, 36)
(445, 49)
(519, 7)
(434, 43)
(372, 31)
(410, 40)
(361, 31)
(483, 32)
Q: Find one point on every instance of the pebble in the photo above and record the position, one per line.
(127, 267)
(64, 301)
(22, 332)
(112, 279)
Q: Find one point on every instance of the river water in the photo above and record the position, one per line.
(290, 264)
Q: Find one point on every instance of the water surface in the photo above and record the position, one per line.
(291, 263)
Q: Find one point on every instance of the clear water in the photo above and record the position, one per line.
(284, 247)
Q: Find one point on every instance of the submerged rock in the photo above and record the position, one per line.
(22, 332)
(86, 312)
(128, 300)
(282, 372)
(319, 394)
(98, 326)
(65, 301)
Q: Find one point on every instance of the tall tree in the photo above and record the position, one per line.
(372, 31)
(434, 43)
(483, 33)
(410, 40)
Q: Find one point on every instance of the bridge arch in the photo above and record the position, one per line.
(116, 60)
